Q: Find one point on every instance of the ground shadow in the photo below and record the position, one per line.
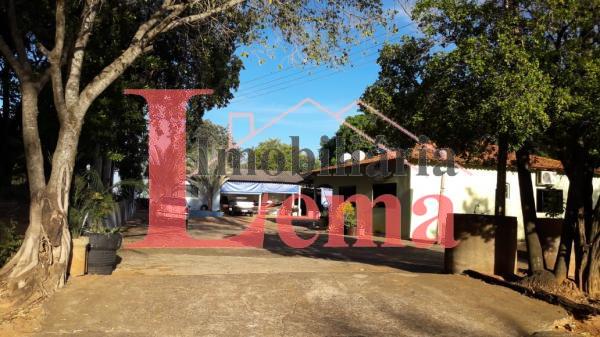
(408, 258)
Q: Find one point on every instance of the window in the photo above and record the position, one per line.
(381, 189)
(347, 191)
(550, 201)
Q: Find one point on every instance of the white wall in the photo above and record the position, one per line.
(196, 200)
(473, 191)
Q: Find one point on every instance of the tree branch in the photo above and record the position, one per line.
(87, 22)
(199, 17)
(109, 74)
(41, 82)
(16, 36)
(159, 28)
(11, 59)
(139, 44)
(55, 57)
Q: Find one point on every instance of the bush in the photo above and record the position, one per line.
(349, 213)
(92, 202)
(10, 241)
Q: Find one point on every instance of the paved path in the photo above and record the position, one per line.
(282, 292)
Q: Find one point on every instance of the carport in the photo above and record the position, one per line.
(259, 182)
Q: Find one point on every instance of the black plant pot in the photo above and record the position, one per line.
(102, 258)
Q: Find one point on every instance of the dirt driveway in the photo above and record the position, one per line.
(277, 291)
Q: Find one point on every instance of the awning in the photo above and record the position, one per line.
(244, 187)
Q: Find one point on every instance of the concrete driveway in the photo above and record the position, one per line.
(278, 291)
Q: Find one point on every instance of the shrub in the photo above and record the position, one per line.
(349, 214)
(91, 202)
(10, 241)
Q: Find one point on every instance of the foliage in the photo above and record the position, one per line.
(203, 168)
(11, 145)
(92, 202)
(208, 138)
(398, 91)
(209, 184)
(468, 95)
(349, 213)
(9, 241)
(346, 140)
(523, 71)
(273, 155)
(192, 57)
(208, 181)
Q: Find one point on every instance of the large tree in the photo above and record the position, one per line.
(192, 57)
(461, 97)
(568, 33)
(491, 53)
(521, 72)
(41, 50)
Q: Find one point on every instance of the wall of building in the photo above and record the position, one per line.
(364, 186)
(470, 191)
(473, 191)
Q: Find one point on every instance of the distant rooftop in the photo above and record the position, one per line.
(484, 160)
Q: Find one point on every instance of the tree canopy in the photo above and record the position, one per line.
(519, 74)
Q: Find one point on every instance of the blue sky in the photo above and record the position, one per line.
(267, 90)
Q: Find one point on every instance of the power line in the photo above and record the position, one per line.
(288, 68)
(296, 78)
(260, 94)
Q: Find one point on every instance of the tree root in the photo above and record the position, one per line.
(543, 279)
(580, 309)
(20, 294)
(17, 302)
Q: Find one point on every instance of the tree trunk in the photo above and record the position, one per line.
(107, 171)
(591, 272)
(579, 227)
(40, 265)
(97, 163)
(534, 247)
(583, 226)
(563, 257)
(500, 203)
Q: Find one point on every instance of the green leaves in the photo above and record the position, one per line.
(471, 79)
(10, 241)
(321, 32)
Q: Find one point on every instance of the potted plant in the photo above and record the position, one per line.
(104, 243)
(349, 213)
(91, 204)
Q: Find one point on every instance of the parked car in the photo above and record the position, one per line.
(240, 206)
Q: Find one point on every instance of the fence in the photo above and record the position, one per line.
(122, 211)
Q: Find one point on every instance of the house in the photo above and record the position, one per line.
(471, 189)
(250, 186)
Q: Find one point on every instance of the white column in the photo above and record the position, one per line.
(299, 200)
(259, 203)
